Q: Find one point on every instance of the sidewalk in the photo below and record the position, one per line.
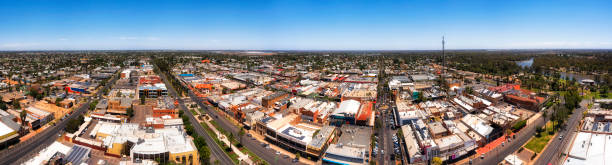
(241, 156)
(276, 148)
(259, 137)
(492, 145)
(33, 133)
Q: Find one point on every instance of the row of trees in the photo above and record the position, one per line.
(73, 124)
(162, 66)
(588, 62)
(199, 142)
(572, 99)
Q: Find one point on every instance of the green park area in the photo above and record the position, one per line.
(538, 142)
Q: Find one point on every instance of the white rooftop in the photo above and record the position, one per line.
(513, 160)
(580, 145)
(348, 107)
(595, 154)
(590, 148)
(477, 124)
(47, 153)
(4, 129)
(302, 136)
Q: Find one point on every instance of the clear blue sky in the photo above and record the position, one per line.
(304, 24)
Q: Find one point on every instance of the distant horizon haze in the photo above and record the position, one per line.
(309, 25)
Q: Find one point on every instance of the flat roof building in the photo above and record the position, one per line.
(477, 124)
(168, 143)
(352, 146)
(413, 151)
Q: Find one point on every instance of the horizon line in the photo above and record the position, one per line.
(297, 50)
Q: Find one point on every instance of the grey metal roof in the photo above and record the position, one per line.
(77, 154)
(321, 138)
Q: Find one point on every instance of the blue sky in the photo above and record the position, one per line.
(304, 24)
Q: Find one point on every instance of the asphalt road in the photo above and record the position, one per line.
(383, 149)
(217, 152)
(385, 132)
(499, 153)
(552, 153)
(27, 149)
(253, 145)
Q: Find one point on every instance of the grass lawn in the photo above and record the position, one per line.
(536, 144)
(208, 130)
(216, 125)
(597, 95)
(253, 157)
(234, 157)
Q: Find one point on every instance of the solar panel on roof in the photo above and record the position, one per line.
(77, 154)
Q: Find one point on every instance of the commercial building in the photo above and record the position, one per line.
(269, 100)
(352, 112)
(360, 92)
(152, 91)
(58, 112)
(321, 140)
(165, 107)
(478, 125)
(312, 110)
(520, 97)
(37, 117)
(421, 77)
(119, 105)
(168, 143)
(56, 149)
(81, 87)
(412, 148)
(437, 130)
(396, 82)
(590, 148)
(289, 133)
(9, 129)
(352, 147)
(9, 97)
(125, 74)
(444, 140)
(492, 96)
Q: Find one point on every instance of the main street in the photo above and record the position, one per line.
(552, 153)
(216, 151)
(498, 154)
(25, 150)
(547, 156)
(252, 144)
(385, 143)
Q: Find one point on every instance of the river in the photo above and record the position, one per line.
(525, 63)
(577, 76)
